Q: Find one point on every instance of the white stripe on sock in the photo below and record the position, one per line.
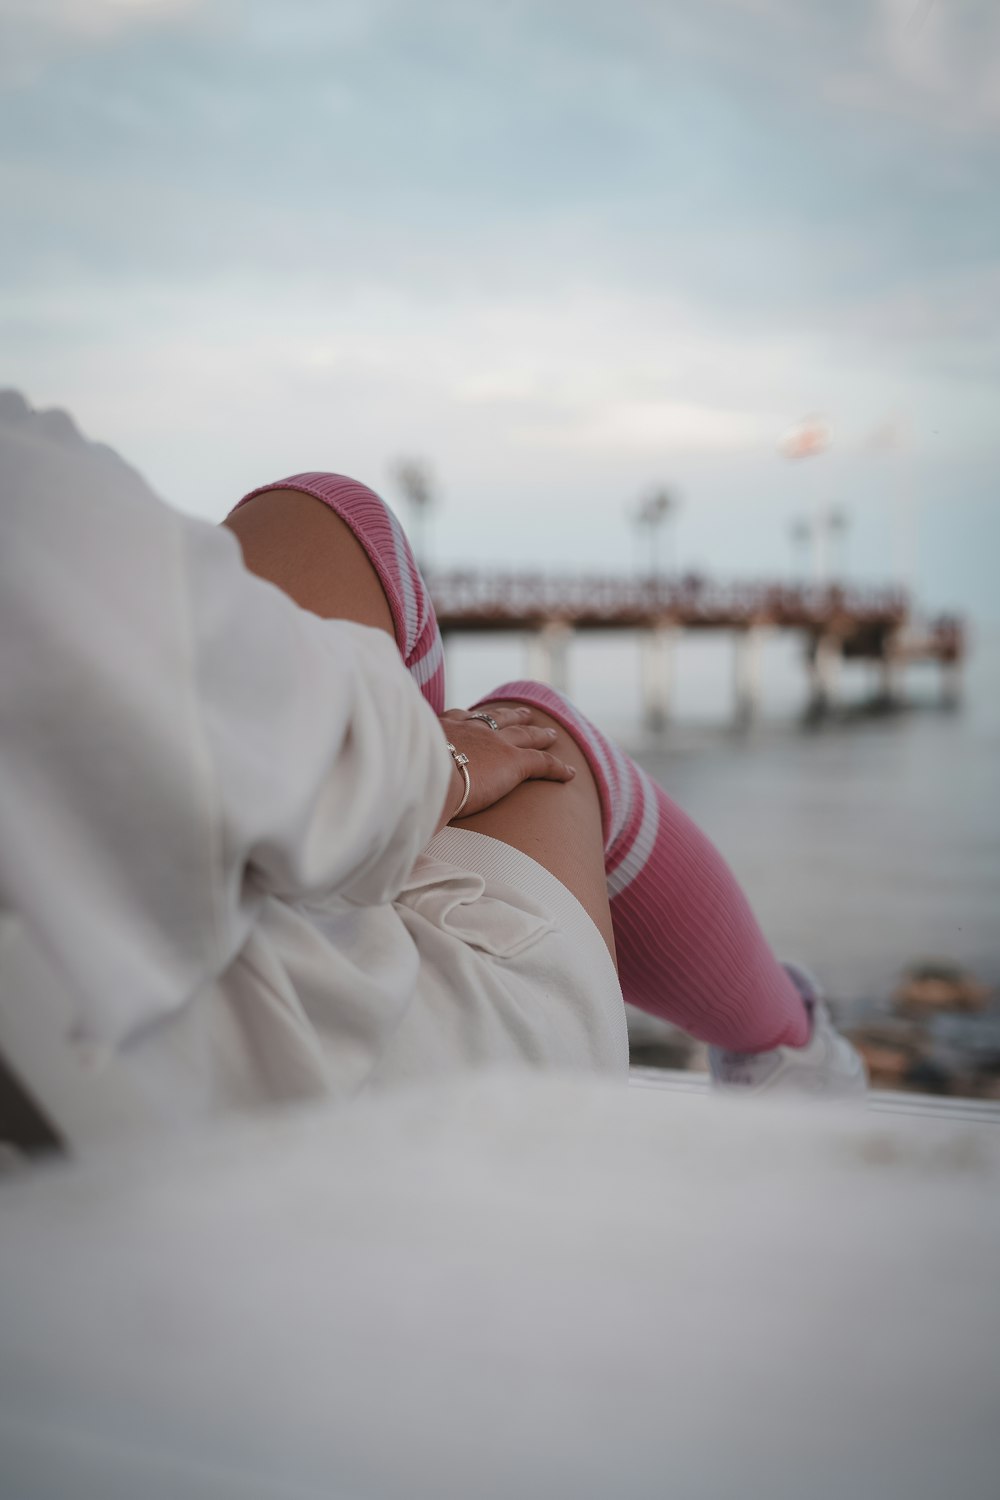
(405, 582)
(423, 670)
(642, 847)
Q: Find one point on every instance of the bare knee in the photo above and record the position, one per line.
(566, 745)
(300, 544)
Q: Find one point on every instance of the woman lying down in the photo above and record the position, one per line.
(247, 857)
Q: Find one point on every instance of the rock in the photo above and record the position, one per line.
(937, 985)
(892, 1052)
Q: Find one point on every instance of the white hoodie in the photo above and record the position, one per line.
(212, 805)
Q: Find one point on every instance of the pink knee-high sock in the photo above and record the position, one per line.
(384, 540)
(689, 947)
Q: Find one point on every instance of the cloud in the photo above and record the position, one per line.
(521, 227)
(430, 144)
(937, 61)
(963, 306)
(87, 18)
(656, 427)
(39, 32)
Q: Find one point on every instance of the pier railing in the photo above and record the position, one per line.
(467, 600)
(836, 622)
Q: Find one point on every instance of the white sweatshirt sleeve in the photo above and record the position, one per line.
(330, 769)
(178, 741)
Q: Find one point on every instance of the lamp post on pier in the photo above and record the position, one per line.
(800, 532)
(651, 517)
(838, 523)
(414, 479)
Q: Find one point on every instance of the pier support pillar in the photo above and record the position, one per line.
(746, 674)
(951, 684)
(657, 663)
(888, 680)
(824, 672)
(548, 655)
(890, 669)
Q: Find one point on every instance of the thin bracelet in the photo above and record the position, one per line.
(462, 762)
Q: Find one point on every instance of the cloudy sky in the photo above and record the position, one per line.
(563, 250)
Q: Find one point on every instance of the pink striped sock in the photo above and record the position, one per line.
(689, 947)
(384, 540)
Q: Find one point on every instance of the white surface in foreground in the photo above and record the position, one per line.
(877, 1101)
(506, 1288)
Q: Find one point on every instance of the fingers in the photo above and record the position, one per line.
(504, 716)
(530, 736)
(538, 763)
(501, 759)
(542, 765)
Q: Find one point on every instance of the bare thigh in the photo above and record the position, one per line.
(559, 825)
(300, 544)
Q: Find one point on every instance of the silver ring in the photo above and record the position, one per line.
(487, 718)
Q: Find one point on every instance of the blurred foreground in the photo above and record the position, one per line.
(535, 1286)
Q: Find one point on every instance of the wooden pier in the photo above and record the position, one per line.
(836, 624)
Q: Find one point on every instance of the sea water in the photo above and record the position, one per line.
(866, 843)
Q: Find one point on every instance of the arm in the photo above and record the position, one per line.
(330, 770)
(178, 740)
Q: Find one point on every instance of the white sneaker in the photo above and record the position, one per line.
(826, 1065)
